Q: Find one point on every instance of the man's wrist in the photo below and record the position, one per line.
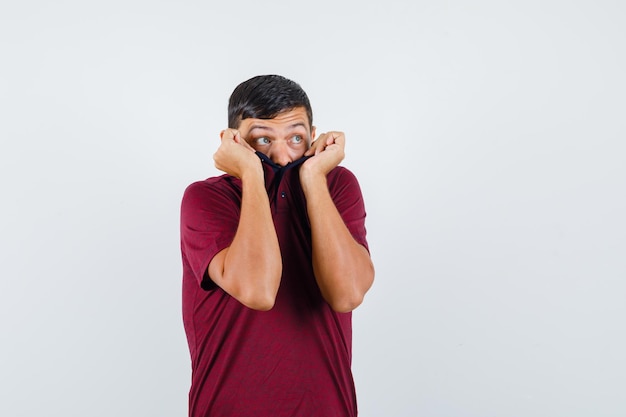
(311, 180)
(252, 169)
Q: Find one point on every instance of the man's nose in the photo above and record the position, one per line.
(280, 153)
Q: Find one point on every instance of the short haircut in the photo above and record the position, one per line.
(264, 97)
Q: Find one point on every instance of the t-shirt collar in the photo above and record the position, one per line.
(275, 167)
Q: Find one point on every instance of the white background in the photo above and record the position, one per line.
(489, 140)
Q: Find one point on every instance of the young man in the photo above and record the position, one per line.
(274, 260)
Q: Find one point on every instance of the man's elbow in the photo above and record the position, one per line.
(348, 300)
(260, 298)
(345, 304)
(259, 304)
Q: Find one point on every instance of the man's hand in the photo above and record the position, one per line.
(235, 156)
(328, 152)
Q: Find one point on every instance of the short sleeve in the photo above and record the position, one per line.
(209, 219)
(346, 194)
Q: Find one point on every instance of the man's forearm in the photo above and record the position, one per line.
(342, 266)
(252, 265)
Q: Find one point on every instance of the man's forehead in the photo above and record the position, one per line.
(293, 118)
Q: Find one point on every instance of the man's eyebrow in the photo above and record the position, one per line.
(267, 128)
(259, 127)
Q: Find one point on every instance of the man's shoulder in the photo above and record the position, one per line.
(341, 174)
(218, 185)
(214, 183)
(340, 170)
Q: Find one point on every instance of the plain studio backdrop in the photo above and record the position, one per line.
(488, 138)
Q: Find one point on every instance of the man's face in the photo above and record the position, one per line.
(283, 139)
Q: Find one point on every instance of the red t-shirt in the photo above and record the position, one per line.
(293, 360)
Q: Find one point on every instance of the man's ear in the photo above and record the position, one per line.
(312, 135)
(221, 134)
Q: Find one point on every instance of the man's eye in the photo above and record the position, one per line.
(297, 139)
(262, 141)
